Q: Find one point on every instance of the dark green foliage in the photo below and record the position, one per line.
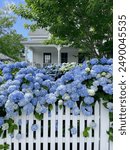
(10, 41)
(84, 24)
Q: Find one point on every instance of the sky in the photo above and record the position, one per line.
(19, 25)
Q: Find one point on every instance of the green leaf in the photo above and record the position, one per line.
(86, 132)
(110, 134)
(10, 121)
(1, 146)
(6, 146)
(50, 107)
(12, 127)
(15, 126)
(45, 87)
(38, 116)
(4, 134)
(1, 131)
(111, 116)
(60, 106)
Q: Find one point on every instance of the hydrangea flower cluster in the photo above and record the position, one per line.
(65, 67)
(83, 85)
(26, 89)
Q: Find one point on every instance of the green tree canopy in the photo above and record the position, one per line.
(10, 41)
(85, 24)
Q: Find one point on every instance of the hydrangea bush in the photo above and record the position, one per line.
(26, 89)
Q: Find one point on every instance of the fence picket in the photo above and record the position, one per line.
(60, 128)
(45, 131)
(30, 119)
(23, 131)
(74, 137)
(111, 145)
(16, 141)
(46, 134)
(67, 126)
(96, 130)
(53, 128)
(82, 139)
(89, 140)
(104, 126)
(38, 135)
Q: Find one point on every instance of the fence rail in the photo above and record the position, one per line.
(53, 133)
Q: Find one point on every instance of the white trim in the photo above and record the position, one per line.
(38, 36)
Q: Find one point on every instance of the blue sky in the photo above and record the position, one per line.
(19, 25)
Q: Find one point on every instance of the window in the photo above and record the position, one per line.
(64, 57)
(47, 58)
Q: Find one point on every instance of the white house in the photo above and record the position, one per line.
(48, 54)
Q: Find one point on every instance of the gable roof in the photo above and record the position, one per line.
(5, 58)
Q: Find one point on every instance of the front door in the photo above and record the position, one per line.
(47, 58)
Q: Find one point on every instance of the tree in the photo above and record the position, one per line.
(10, 41)
(85, 24)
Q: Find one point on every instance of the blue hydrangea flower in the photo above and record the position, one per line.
(108, 88)
(69, 103)
(56, 125)
(28, 96)
(76, 111)
(1, 121)
(18, 136)
(11, 136)
(103, 60)
(38, 79)
(50, 98)
(88, 100)
(84, 65)
(1, 79)
(83, 92)
(28, 109)
(61, 89)
(12, 88)
(7, 76)
(73, 131)
(6, 70)
(40, 108)
(36, 86)
(2, 100)
(34, 127)
(29, 77)
(87, 110)
(93, 125)
(102, 81)
(75, 97)
(110, 106)
(16, 96)
(19, 122)
(110, 61)
(47, 83)
(93, 61)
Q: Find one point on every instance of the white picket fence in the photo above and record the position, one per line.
(46, 138)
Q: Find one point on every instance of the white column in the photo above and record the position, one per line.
(59, 54)
(26, 54)
(32, 58)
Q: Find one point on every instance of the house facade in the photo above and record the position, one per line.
(48, 54)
